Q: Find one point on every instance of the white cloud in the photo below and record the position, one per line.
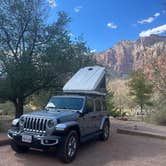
(158, 30)
(93, 51)
(157, 14)
(149, 19)
(112, 25)
(52, 3)
(77, 9)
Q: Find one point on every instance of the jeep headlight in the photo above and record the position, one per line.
(21, 122)
(51, 123)
(15, 122)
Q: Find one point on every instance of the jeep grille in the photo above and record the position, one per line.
(35, 124)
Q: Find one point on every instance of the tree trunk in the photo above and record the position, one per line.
(19, 107)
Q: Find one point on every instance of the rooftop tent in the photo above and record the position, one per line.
(89, 80)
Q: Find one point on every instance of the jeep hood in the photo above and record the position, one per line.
(62, 115)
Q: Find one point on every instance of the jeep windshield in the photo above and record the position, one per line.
(72, 103)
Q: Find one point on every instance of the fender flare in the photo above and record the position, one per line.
(103, 120)
(66, 125)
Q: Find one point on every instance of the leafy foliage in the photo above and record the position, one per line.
(158, 116)
(35, 55)
(140, 89)
(110, 106)
(7, 108)
(155, 70)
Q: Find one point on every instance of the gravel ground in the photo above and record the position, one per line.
(119, 150)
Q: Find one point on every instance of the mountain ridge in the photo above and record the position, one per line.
(129, 55)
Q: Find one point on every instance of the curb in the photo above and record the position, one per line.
(141, 133)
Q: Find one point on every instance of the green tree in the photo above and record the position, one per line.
(111, 106)
(35, 55)
(140, 89)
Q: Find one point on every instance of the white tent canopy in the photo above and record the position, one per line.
(87, 80)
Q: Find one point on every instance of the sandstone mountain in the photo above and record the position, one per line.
(126, 55)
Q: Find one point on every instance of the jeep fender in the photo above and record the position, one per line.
(105, 118)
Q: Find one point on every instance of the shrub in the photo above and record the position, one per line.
(160, 117)
(157, 117)
(110, 106)
(114, 113)
(7, 108)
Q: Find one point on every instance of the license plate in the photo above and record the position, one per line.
(27, 138)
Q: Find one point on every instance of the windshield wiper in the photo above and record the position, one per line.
(63, 108)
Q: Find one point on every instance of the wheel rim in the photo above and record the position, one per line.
(72, 146)
(106, 131)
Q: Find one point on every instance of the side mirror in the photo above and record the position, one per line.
(87, 110)
(81, 113)
(44, 106)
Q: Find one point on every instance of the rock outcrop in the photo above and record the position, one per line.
(127, 56)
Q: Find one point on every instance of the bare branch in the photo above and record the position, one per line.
(22, 34)
(8, 43)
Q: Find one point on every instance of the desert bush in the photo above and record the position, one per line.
(157, 117)
(160, 117)
(5, 124)
(115, 113)
(7, 108)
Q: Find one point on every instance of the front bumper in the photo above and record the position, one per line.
(38, 140)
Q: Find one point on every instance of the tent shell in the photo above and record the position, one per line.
(88, 80)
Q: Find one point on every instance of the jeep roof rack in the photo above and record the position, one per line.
(88, 80)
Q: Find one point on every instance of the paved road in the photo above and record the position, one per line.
(119, 150)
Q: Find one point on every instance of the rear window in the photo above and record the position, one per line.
(98, 105)
(89, 105)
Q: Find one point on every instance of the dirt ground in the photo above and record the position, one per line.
(119, 150)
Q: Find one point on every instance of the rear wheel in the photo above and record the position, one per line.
(18, 148)
(67, 149)
(105, 131)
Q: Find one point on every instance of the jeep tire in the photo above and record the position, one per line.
(68, 147)
(18, 148)
(105, 131)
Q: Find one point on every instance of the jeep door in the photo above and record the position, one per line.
(87, 120)
(100, 111)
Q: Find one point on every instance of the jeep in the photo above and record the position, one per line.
(64, 123)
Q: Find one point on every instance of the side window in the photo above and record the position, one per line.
(89, 106)
(98, 105)
(103, 105)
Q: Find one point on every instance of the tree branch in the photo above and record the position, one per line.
(9, 45)
(22, 34)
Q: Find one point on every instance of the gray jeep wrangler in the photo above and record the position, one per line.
(64, 123)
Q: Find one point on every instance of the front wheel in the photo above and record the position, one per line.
(68, 147)
(105, 131)
(18, 148)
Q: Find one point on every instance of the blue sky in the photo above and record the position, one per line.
(103, 23)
